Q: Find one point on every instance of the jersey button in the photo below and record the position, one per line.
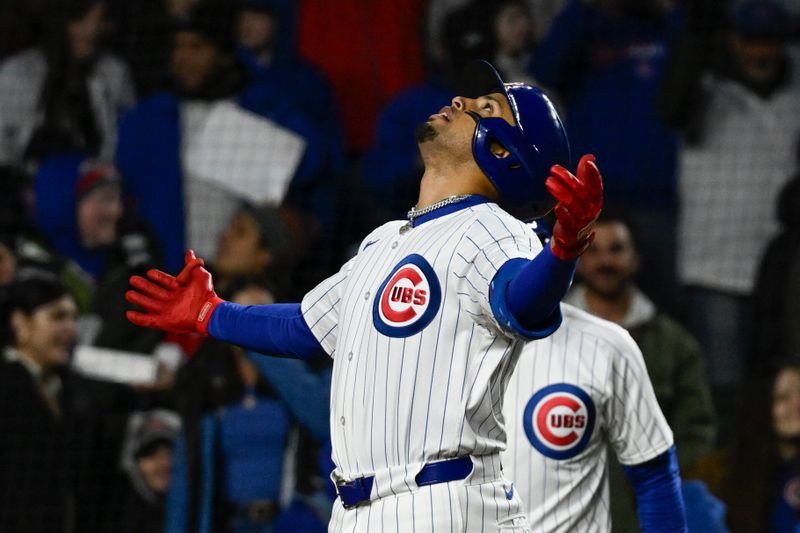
(366, 295)
(341, 420)
(394, 245)
(349, 356)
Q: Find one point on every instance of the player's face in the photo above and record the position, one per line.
(786, 404)
(47, 334)
(240, 251)
(453, 127)
(608, 266)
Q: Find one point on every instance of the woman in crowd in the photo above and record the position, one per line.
(65, 95)
(57, 455)
(38, 331)
(758, 478)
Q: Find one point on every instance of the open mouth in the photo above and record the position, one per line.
(445, 113)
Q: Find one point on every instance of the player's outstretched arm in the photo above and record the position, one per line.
(187, 303)
(527, 293)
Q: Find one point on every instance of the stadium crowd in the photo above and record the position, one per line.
(271, 135)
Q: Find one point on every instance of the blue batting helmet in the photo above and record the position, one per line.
(537, 141)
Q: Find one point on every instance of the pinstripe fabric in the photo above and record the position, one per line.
(601, 359)
(399, 402)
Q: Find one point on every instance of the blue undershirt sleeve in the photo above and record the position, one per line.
(526, 293)
(659, 499)
(275, 329)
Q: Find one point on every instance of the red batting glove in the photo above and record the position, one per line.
(579, 201)
(182, 304)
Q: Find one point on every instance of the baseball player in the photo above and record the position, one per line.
(423, 323)
(571, 395)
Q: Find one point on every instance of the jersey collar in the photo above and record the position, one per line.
(469, 201)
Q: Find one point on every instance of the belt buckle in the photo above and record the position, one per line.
(363, 485)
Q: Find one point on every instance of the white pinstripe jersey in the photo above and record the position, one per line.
(571, 394)
(420, 365)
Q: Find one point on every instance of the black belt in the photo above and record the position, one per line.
(358, 490)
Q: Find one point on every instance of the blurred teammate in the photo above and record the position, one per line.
(672, 356)
(571, 396)
(423, 323)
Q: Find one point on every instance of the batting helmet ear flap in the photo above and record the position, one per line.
(536, 142)
(512, 176)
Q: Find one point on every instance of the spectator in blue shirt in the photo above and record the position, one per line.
(239, 410)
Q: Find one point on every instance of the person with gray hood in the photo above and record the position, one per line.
(147, 463)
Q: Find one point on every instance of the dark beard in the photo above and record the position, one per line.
(425, 133)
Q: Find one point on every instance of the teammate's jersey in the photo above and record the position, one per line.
(420, 364)
(571, 394)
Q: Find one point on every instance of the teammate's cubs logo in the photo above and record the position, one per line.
(559, 420)
(408, 299)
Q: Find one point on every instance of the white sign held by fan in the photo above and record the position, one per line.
(251, 156)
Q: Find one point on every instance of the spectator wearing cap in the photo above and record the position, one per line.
(67, 94)
(24, 250)
(147, 464)
(740, 129)
(184, 208)
(80, 211)
(79, 207)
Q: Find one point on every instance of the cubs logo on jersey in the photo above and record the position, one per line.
(408, 299)
(559, 420)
